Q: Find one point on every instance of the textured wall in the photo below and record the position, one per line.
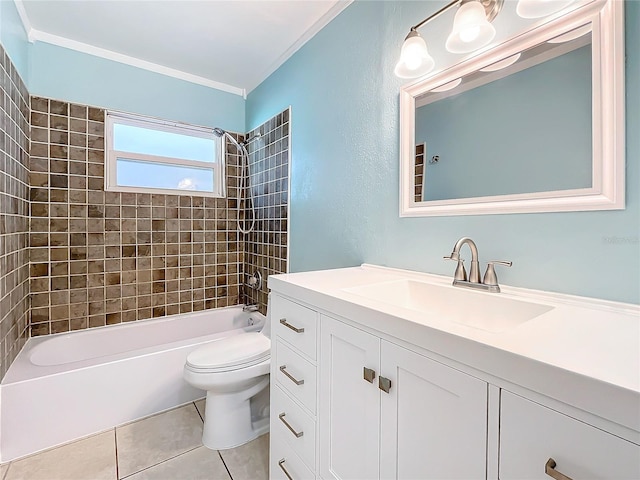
(345, 169)
(101, 258)
(14, 212)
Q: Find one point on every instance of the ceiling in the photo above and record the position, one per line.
(225, 44)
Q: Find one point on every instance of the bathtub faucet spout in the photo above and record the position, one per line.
(250, 308)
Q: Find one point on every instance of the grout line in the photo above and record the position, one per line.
(115, 440)
(225, 465)
(7, 471)
(164, 461)
(199, 414)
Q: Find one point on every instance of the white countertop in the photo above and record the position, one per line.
(584, 352)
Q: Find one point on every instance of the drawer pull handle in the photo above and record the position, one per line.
(297, 434)
(283, 369)
(281, 465)
(284, 322)
(384, 384)
(550, 470)
(369, 374)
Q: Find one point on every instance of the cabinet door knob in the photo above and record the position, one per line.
(550, 469)
(283, 369)
(291, 429)
(281, 465)
(384, 384)
(284, 322)
(369, 375)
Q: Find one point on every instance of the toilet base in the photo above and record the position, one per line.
(227, 422)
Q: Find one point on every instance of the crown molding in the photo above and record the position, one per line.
(40, 36)
(24, 18)
(35, 35)
(322, 22)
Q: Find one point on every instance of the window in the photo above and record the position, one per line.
(147, 155)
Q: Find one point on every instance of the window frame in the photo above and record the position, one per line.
(111, 155)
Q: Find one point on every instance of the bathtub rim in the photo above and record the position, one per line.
(22, 361)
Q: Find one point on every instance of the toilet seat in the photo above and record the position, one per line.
(230, 353)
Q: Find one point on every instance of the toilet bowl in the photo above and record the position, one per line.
(232, 370)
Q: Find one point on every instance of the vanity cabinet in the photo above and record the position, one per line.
(359, 393)
(388, 412)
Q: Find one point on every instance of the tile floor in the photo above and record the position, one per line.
(167, 446)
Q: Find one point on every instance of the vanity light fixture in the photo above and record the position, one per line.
(471, 30)
(540, 8)
(415, 60)
(504, 63)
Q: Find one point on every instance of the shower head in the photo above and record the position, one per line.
(220, 133)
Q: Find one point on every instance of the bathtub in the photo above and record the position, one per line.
(67, 386)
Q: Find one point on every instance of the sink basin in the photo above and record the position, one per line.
(485, 311)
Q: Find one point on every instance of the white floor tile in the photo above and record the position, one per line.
(200, 405)
(158, 438)
(198, 464)
(92, 458)
(250, 461)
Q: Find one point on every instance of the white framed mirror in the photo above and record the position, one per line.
(543, 133)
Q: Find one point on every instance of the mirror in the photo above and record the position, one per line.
(535, 124)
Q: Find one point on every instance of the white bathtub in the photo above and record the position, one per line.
(67, 386)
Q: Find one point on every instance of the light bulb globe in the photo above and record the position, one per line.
(471, 29)
(415, 60)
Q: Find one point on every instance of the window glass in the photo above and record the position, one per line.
(130, 138)
(134, 173)
(147, 155)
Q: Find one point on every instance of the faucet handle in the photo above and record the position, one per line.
(490, 277)
(461, 273)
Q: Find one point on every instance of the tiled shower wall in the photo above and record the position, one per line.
(101, 258)
(14, 213)
(266, 245)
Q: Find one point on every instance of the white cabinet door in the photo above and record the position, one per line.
(433, 420)
(531, 435)
(349, 405)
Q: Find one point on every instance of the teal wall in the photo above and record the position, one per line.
(14, 38)
(537, 152)
(344, 192)
(64, 74)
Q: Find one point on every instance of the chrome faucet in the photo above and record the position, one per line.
(490, 280)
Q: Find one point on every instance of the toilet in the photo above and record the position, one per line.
(232, 370)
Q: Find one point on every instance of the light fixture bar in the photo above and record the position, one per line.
(437, 14)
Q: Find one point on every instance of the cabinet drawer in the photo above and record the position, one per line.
(296, 324)
(295, 426)
(283, 458)
(531, 434)
(296, 375)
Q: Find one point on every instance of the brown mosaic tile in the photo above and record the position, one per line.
(128, 256)
(269, 183)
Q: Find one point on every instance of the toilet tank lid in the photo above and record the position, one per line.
(235, 350)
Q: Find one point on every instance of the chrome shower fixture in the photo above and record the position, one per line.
(244, 162)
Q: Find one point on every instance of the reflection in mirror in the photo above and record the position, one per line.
(495, 124)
